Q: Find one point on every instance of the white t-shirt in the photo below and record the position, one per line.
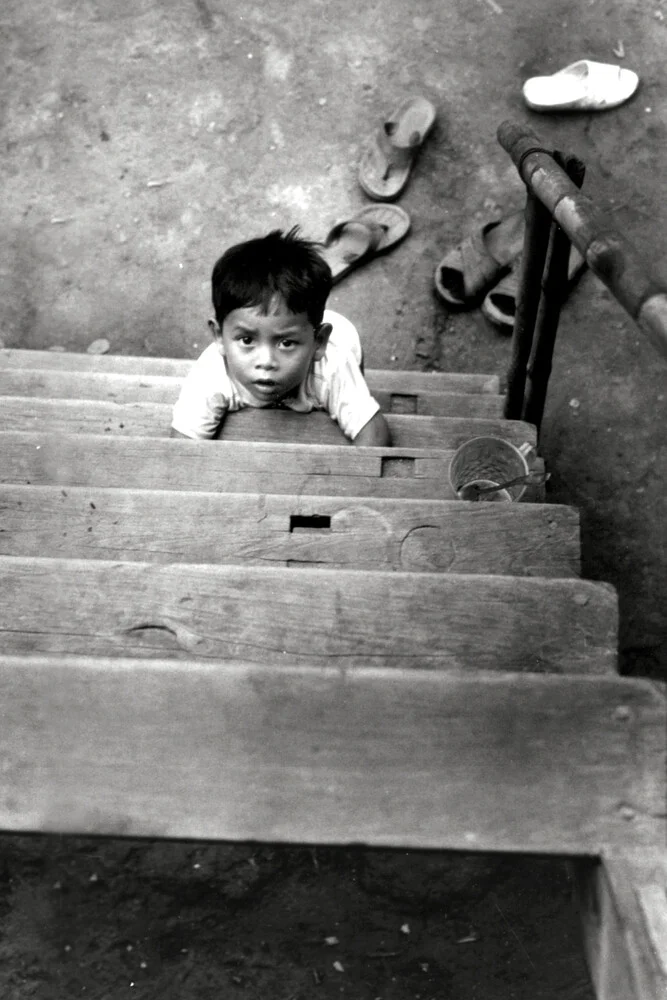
(334, 383)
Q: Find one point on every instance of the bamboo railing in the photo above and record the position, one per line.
(557, 214)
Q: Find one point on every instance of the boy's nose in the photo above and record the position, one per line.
(265, 358)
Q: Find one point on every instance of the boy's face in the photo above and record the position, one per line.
(269, 355)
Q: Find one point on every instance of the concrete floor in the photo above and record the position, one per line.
(142, 138)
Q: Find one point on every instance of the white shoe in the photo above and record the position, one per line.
(583, 86)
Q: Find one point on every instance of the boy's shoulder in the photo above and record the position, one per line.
(209, 366)
(210, 357)
(344, 337)
(208, 373)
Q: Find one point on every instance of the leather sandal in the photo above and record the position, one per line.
(467, 271)
(499, 306)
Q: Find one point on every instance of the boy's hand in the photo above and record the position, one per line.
(375, 433)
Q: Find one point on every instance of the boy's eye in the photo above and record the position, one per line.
(289, 343)
(245, 339)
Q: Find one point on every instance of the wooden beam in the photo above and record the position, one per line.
(623, 902)
(226, 466)
(86, 416)
(232, 751)
(391, 380)
(126, 388)
(273, 530)
(271, 615)
(406, 431)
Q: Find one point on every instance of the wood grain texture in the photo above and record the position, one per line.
(272, 530)
(92, 416)
(623, 903)
(416, 758)
(228, 466)
(123, 388)
(272, 615)
(222, 466)
(406, 431)
(388, 379)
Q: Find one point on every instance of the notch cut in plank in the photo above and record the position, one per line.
(265, 614)
(623, 902)
(378, 378)
(91, 416)
(261, 529)
(210, 466)
(403, 758)
(115, 387)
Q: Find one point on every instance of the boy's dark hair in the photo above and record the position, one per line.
(252, 273)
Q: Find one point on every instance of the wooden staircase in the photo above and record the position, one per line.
(281, 637)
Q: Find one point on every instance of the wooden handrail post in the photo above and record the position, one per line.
(554, 290)
(535, 243)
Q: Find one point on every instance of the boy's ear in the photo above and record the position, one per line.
(322, 335)
(216, 331)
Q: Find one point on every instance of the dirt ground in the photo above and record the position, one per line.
(140, 138)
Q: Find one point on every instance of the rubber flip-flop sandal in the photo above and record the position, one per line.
(388, 158)
(467, 271)
(373, 231)
(499, 306)
(583, 86)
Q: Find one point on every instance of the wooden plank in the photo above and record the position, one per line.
(224, 466)
(115, 387)
(124, 388)
(392, 380)
(265, 614)
(441, 404)
(623, 902)
(261, 529)
(414, 758)
(90, 416)
(407, 431)
(227, 466)
(402, 380)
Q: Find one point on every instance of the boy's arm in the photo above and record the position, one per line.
(375, 433)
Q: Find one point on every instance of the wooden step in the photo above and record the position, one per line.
(405, 758)
(271, 530)
(89, 416)
(223, 466)
(124, 388)
(318, 616)
(387, 379)
(623, 902)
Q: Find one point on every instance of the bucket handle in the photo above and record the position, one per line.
(529, 452)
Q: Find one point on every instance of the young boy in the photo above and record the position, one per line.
(274, 344)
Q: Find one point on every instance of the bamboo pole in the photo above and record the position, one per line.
(554, 291)
(630, 277)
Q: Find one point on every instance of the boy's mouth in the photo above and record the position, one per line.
(266, 386)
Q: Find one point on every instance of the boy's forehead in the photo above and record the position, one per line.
(276, 306)
(276, 310)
